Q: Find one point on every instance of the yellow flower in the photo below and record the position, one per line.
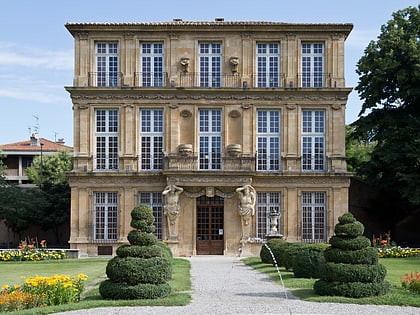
(5, 287)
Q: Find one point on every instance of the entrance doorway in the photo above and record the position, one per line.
(210, 228)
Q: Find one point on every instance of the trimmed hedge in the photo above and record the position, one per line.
(309, 262)
(139, 251)
(354, 273)
(352, 268)
(137, 237)
(134, 270)
(123, 291)
(351, 289)
(353, 229)
(366, 256)
(346, 218)
(143, 226)
(276, 246)
(140, 270)
(143, 213)
(352, 243)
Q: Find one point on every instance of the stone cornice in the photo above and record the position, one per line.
(226, 94)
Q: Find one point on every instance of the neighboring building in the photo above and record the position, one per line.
(18, 156)
(199, 120)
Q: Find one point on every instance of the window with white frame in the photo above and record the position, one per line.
(107, 64)
(152, 69)
(314, 217)
(268, 65)
(151, 139)
(268, 140)
(267, 202)
(313, 140)
(312, 65)
(210, 139)
(105, 216)
(106, 137)
(210, 64)
(154, 201)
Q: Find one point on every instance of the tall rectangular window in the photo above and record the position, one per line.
(107, 64)
(151, 139)
(268, 65)
(267, 202)
(210, 64)
(313, 140)
(268, 140)
(105, 216)
(106, 135)
(312, 65)
(210, 139)
(314, 217)
(152, 69)
(154, 201)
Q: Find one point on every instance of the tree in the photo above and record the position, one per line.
(55, 190)
(358, 150)
(389, 86)
(17, 206)
(54, 168)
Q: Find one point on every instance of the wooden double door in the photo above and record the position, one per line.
(210, 226)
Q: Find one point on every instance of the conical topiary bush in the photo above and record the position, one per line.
(351, 268)
(140, 270)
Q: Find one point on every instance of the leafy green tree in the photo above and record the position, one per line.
(55, 189)
(56, 210)
(358, 150)
(17, 205)
(53, 170)
(389, 85)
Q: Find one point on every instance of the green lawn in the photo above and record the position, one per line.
(12, 272)
(302, 288)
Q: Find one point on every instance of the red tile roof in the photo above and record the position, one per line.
(30, 146)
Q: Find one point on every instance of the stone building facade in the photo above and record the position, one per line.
(230, 131)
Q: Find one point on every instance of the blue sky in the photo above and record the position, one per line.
(36, 51)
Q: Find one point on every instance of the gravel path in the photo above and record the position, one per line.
(224, 285)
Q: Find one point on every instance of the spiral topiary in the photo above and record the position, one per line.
(140, 270)
(351, 268)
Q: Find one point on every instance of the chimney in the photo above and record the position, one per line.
(60, 141)
(34, 140)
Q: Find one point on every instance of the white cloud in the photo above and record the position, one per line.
(12, 55)
(34, 95)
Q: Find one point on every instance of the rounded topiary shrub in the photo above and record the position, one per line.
(134, 270)
(138, 237)
(351, 268)
(366, 256)
(122, 291)
(349, 243)
(140, 270)
(309, 262)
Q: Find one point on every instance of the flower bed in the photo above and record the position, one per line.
(398, 252)
(32, 254)
(42, 291)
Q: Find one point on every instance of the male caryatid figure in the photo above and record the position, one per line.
(171, 209)
(246, 209)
